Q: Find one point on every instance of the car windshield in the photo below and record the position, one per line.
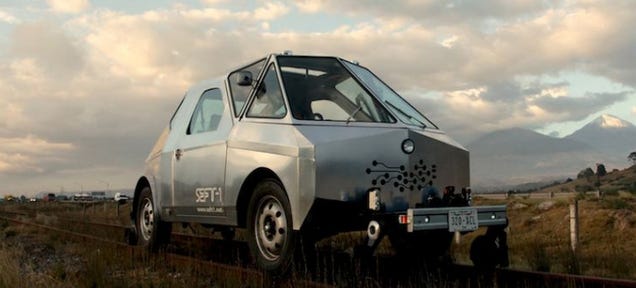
(321, 89)
(402, 109)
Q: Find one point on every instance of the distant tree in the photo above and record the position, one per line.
(632, 157)
(568, 180)
(600, 170)
(586, 173)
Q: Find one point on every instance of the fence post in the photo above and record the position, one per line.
(574, 225)
(117, 204)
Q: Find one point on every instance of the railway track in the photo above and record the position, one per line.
(519, 278)
(172, 258)
(186, 245)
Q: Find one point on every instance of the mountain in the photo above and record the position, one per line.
(608, 134)
(521, 141)
(514, 156)
(517, 155)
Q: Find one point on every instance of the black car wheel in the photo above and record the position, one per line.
(151, 231)
(269, 225)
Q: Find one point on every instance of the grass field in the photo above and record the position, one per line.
(538, 240)
(539, 236)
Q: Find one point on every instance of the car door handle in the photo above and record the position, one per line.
(178, 153)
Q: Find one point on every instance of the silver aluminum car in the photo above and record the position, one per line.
(310, 146)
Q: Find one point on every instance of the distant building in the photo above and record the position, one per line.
(49, 197)
(82, 197)
(98, 195)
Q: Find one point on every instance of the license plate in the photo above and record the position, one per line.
(462, 220)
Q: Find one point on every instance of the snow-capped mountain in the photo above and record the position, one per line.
(611, 122)
(608, 134)
(520, 155)
(515, 156)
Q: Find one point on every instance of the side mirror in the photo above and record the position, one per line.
(244, 78)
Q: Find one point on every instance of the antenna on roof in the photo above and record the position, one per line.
(287, 52)
(355, 62)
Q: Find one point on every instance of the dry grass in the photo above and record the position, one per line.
(10, 268)
(540, 240)
(29, 258)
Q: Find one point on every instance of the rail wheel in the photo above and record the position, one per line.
(490, 250)
(430, 246)
(151, 231)
(269, 225)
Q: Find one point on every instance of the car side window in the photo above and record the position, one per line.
(268, 101)
(207, 115)
(240, 93)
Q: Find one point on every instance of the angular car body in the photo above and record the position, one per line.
(305, 144)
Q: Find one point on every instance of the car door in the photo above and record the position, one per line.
(199, 164)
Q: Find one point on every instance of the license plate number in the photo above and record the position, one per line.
(462, 220)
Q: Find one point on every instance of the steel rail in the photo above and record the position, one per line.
(505, 277)
(512, 277)
(176, 259)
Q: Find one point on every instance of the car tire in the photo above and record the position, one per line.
(151, 231)
(271, 237)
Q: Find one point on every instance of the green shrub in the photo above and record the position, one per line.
(610, 192)
(9, 232)
(613, 262)
(570, 261)
(580, 196)
(538, 257)
(614, 204)
(583, 188)
(632, 188)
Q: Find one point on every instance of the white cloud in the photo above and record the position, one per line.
(270, 11)
(17, 163)
(26, 70)
(214, 2)
(32, 145)
(8, 18)
(21, 155)
(44, 50)
(107, 81)
(11, 116)
(310, 6)
(634, 110)
(68, 6)
(450, 41)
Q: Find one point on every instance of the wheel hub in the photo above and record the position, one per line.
(269, 228)
(146, 221)
(271, 225)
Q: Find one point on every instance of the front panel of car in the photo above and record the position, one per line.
(352, 160)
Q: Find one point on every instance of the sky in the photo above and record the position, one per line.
(87, 86)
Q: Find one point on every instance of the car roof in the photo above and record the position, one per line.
(203, 85)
